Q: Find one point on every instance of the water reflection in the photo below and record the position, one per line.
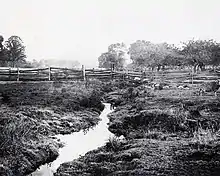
(79, 143)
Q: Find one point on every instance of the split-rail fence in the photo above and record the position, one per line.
(58, 73)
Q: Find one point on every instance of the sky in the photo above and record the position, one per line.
(83, 29)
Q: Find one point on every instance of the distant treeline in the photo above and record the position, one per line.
(141, 55)
(13, 54)
(144, 54)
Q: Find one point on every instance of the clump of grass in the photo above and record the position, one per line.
(114, 144)
(15, 130)
(204, 136)
(154, 134)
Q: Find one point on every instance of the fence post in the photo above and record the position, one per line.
(49, 73)
(192, 76)
(66, 73)
(112, 71)
(18, 74)
(127, 74)
(9, 71)
(142, 75)
(83, 73)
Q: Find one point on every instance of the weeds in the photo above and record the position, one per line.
(114, 144)
(68, 96)
(204, 136)
(15, 131)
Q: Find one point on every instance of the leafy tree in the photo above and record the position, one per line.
(3, 53)
(138, 52)
(107, 59)
(4, 59)
(15, 50)
(199, 53)
(1, 42)
(115, 55)
(215, 55)
(146, 54)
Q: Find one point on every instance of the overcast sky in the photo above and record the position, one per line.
(82, 29)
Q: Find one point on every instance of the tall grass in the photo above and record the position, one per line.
(204, 136)
(114, 144)
(14, 131)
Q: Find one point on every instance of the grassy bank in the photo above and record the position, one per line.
(167, 132)
(31, 113)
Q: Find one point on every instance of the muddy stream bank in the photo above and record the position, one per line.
(78, 143)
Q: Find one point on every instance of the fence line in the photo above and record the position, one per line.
(58, 73)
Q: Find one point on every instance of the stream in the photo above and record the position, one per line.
(79, 143)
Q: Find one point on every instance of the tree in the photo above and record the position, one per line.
(115, 55)
(15, 50)
(1, 42)
(199, 53)
(138, 52)
(3, 53)
(107, 59)
(215, 55)
(146, 54)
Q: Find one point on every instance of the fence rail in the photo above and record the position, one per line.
(58, 73)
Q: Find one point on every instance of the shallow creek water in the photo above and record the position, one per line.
(78, 143)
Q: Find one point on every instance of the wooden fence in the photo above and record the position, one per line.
(53, 74)
(57, 73)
